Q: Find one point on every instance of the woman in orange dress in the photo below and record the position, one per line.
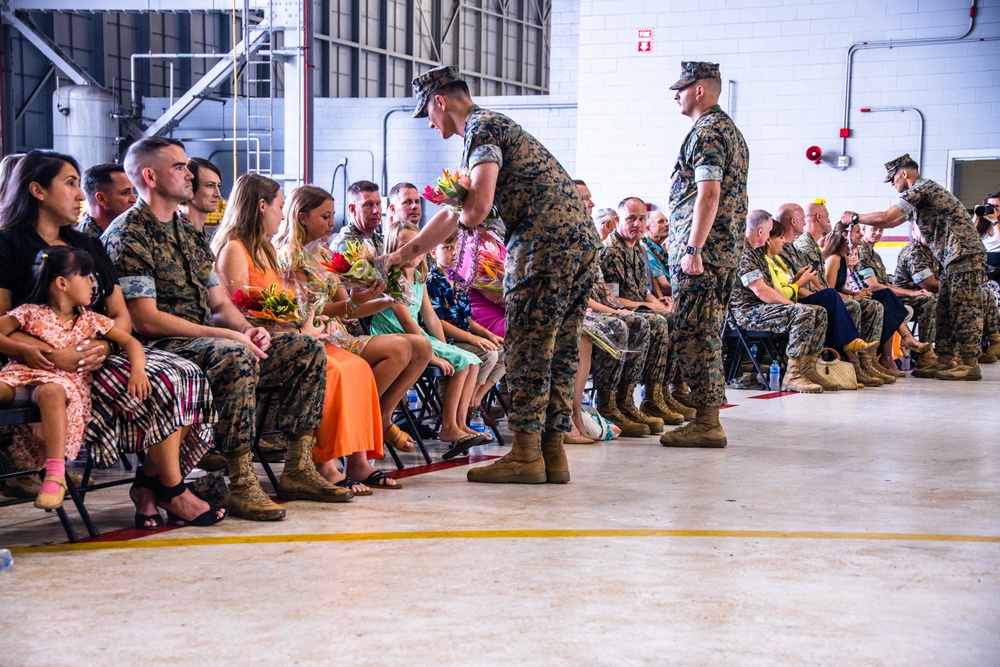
(351, 426)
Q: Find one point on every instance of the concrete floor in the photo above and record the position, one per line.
(855, 528)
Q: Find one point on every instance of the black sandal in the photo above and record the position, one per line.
(151, 483)
(377, 480)
(165, 494)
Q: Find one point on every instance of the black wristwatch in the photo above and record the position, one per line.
(854, 218)
(691, 250)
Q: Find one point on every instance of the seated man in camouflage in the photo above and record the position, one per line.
(804, 228)
(759, 306)
(176, 302)
(364, 210)
(623, 264)
(109, 193)
(916, 269)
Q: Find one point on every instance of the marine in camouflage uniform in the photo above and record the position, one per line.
(916, 264)
(89, 226)
(865, 313)
(171, 262)
(913, 265)
(804, 324)
(713, 151)
(549, 272)
(947, 230)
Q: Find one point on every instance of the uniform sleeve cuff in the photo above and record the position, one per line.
(707, 173)
(138, 287)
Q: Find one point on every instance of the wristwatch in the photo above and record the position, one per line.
(854, 218)
(691, 250)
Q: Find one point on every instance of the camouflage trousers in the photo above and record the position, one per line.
(991, 318)
(700, 305)
(867, 316)
(804, 324)
(611, 373)
(923, 312)
(296, 363)
(959, 314)
(542, 346)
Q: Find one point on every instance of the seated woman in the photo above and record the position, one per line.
(839, 246)
(351, 423)
(461, 329)
(462, 367)
(175, 426)
(396, 361)
(805, 287)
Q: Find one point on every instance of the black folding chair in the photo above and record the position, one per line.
(740, 341)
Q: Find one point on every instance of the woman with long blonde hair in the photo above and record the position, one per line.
(245, 257)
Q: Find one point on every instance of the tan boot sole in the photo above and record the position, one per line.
(336, 495)
(511, 478)
(667, 440)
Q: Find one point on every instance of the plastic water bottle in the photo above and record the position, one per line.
(412, 398)
(476, 423)
(753, 351)
(6, 560)
(775, 376)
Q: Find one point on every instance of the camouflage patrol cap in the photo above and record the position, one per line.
(430, 81)
(893, 166)
(692, 70)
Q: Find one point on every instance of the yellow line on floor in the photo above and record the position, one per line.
(501, 535)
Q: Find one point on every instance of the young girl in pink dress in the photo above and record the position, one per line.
(56, 313)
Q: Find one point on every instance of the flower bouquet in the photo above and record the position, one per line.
(357, 267)
(274, 305)
(451, 191)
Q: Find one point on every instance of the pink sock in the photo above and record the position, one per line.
(53, 468)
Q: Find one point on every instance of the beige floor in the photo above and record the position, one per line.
(857, 528)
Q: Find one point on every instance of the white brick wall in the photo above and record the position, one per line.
(787, 59)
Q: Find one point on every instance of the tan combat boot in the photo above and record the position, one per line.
(811, 373)
(245, 498)
(943, 363)
(862, 376)
(681, 393)
(607, 408)
(301, 481)
(523, 464)
(626, 405)
(927, 359)
(967, 369)
(554, 455)
(874, 368)
(659, 404)
(704, 431)
(794, 379)
(994, 346)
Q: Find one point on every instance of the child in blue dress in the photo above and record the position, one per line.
(461, 367)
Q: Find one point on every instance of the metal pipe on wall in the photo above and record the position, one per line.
(920, 136)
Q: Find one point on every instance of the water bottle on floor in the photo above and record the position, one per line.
(775, 374)
(412, 398)
(6, 560)
(476, 423)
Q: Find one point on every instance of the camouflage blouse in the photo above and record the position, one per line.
(548, 229)
(714, 150)
(914, 265)
(753, 267)
(945, 225)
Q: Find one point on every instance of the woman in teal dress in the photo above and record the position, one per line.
(461, 367)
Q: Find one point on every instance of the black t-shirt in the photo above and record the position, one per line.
(17, 257)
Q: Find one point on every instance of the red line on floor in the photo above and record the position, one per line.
(729, 405)
(442, 465)
(776, 394)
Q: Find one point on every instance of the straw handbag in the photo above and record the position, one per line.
(837, 371)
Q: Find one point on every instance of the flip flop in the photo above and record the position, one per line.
(349, 483)
(393, 435)
(463, 445)
(377, 480)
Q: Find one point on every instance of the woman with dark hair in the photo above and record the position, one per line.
(840, 253)
(175, 425)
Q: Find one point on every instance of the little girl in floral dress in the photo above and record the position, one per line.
(56, 313)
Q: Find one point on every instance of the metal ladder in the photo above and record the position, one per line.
(259, 90)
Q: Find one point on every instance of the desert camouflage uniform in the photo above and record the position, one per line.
(804, 324)
(714, 150)
(952, 240)
(550, 268)
(865, 313)
(626, 268)
(89, 226)
(608, 372)
(172, 262)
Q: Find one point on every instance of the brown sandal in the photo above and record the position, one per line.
(392, 437)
